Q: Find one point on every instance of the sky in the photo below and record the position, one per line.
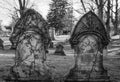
(6, 8)
(42, 6)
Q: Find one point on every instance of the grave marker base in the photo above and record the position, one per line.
(90, 80)
(77, 76)
(27, 80)
(60, 53)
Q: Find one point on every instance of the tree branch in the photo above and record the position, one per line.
(113, 11)
(24, 4)
(16, 9)
(20, 4)
(96, 1)
(27, 1)
(15, 4)
(83, 5)
(33, 4)
(91, 6)
(75, 9)
(104, 2)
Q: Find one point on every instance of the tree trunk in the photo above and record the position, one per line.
(23, 4)
(116, 19)
(52, 34)
(100, 10)
(108, 17)
(100, 15)
(22, 7)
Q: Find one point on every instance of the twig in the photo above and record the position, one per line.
(83, 5)
(8, 3)
(15, 4)
(5, 8)
(96, 1)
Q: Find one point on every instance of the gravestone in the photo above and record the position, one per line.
(32, 38)
(51, 45)
(59, 50)
(1, 44)
(89, 39)
(13, 42)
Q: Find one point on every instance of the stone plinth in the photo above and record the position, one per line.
(77, 75)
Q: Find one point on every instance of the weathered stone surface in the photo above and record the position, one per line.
(30, 58)
(31, 39)
(87, 62)
(89, 38)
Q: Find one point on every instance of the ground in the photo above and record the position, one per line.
(63, 64)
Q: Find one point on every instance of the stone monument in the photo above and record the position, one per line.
(89, 39)
(32, 38)
(59, 50)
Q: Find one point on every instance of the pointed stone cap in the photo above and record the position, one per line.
(89, 24)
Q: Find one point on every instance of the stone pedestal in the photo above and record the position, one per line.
(88, 62)
(59, 50)
(77, 75)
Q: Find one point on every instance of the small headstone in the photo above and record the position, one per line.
(59, 50)
(51, 45)
(1, 44)
(13, 42)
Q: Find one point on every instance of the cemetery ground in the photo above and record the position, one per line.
(62, 64)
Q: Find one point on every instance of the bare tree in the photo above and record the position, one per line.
(100, 5)
(108, 16)
(15, 12)
(22, 6)
(19, 6)
(114, 16)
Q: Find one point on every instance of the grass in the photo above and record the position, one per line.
(62, 64)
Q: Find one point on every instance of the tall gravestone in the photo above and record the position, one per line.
(31, 34)
(89, 39)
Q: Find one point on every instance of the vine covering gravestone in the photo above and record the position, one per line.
(88, 39)
(32, 39)
(30, 18)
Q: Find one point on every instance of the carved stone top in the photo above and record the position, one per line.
(31, 20)
(89, 24)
